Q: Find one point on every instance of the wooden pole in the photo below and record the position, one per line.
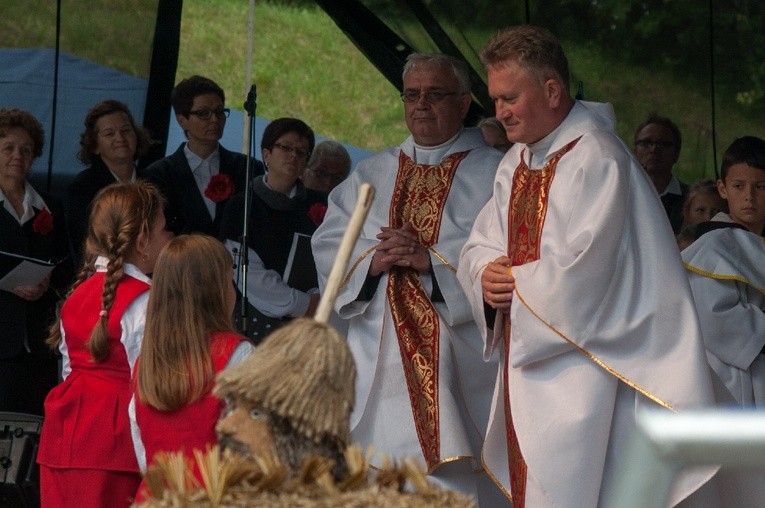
(359, 215)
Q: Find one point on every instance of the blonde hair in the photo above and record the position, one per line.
(119, 214)
(188, 302)
(708, 187)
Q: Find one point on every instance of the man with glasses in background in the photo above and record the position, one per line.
(657, 148)
(329, 165)
(200, 177)
(423, 390)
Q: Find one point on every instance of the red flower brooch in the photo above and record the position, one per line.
(316, 213)
(220, 188)
(43, 223)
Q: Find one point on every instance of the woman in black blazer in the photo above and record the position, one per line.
(31, 224)
(110, 145)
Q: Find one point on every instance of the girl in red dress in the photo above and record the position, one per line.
(189, 338)
(86, 452)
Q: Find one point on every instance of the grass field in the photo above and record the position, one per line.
(303, 66)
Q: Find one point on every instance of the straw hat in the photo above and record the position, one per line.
(303, 372)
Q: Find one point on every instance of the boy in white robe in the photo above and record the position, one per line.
(594, 317)
(726, 268)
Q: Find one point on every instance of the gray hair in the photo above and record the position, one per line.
(332, 149)
(458, 67)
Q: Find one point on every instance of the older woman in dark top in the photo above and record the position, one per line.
(110, 145)
(31, 224)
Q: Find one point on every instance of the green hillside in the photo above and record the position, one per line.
(304, 66)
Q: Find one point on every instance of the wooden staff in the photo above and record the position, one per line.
(359, 215)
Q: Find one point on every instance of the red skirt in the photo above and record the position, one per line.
(87, 488)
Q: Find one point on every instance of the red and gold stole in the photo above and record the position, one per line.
(419, 198)
(525, 220)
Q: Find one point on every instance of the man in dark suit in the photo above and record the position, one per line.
(200, 177)
(657, 148)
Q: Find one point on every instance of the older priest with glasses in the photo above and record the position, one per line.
(423, 390)
(200, 177)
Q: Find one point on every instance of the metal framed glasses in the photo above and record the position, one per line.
(206, 114)
(299, 152)
(431, 96)
(327, 176)
(650, 143)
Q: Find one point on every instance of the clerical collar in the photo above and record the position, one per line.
(433, 154)
(538, 151)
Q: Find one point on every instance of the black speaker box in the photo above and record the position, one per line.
(19, 474)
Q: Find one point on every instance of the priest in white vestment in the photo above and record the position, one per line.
(423, 390)
(593, 314)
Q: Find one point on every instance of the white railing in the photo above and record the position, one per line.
(663, 444)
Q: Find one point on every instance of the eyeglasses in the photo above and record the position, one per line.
(649, 143)
(299, 152)
(206, 113)
(326, 176)
(431, 96)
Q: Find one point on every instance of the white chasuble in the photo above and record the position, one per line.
(602, 323)
(423, 389)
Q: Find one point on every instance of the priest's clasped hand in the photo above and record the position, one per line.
(498, 283)
(399, 247)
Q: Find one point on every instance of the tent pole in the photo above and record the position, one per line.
(246, 134)
(54, 101)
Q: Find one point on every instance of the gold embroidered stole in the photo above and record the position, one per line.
(419, 198)
(525, 220)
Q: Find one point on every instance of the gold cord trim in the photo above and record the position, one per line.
(597, 360)
(712, 275)
(443, 259)
(495, 480)
(445, 461)
(450, 459)
(356, 264)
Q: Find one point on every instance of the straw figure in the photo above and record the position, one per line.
(300, 385)
(285, 437)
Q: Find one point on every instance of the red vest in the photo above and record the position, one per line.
(192, 426)
(86, 417)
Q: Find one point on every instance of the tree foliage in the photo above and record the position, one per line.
(669, 34)
(692, 38)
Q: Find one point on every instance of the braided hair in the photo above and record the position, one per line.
(119, 214)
